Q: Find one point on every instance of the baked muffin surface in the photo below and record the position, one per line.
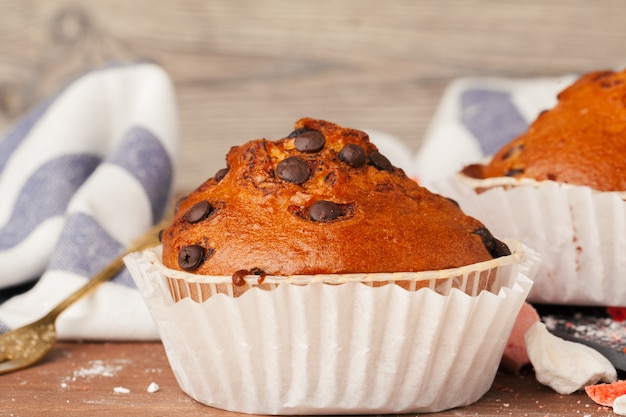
(581, 141)
(322, 200)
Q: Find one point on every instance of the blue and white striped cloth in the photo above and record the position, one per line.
(93, 166)
(476, 116)
(81, 176)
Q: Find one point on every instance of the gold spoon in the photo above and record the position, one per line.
(26, 345)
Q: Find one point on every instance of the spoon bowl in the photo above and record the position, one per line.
(27, 345)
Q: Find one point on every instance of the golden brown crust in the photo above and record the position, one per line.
(581, 141)
(262, 223)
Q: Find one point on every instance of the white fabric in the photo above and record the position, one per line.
(81, 175)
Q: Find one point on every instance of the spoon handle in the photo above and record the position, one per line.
(149, 238)
(108, 272)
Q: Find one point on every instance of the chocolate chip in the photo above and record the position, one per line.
(331, 178)
(512, 151)
(198, 211)
(513, 172)
(353, 155)
(298, 132)
(310, 141)
(473, 171)
(239, 277)
(606, 84)
(453, 201)
(160, 235)
(190, 257)
(293, 169)
(257, 271)
(323, 211)
(495, 247)
(380, 161)
(501, 249)
(602, 74)
(219, 175)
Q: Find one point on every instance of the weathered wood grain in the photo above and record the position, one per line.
(249, 69)
(80, 380)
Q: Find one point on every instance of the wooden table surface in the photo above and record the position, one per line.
(81, 379)
(249, 69)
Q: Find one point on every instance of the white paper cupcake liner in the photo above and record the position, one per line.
(335, 349)
(490, 275)
(579, 233)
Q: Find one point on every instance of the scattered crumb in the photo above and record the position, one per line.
(153, 387)
(591, 327)
(95, 368)
(121, 390)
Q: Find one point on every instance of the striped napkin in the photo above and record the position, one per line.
(81, 176)
(476, 116)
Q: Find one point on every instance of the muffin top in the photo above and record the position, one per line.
(321, 200)
(581, 141)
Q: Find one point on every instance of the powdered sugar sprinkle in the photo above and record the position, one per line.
(95, 368)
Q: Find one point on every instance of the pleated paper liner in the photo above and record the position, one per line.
(470, 279)
(579, 232)
(336, 346)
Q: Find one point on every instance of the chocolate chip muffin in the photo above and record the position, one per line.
(581, 141)
(560, 188)
(322, 200)
(302, 249)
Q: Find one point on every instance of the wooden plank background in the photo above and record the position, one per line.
(249, 69)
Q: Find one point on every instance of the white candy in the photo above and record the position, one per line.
(565, 366)
(619, 405)
(121, 390)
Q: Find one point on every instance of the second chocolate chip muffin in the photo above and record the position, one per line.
(581, 141)
(321, 200)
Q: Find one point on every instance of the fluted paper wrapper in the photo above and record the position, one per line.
(346, 348)
(579, 233)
